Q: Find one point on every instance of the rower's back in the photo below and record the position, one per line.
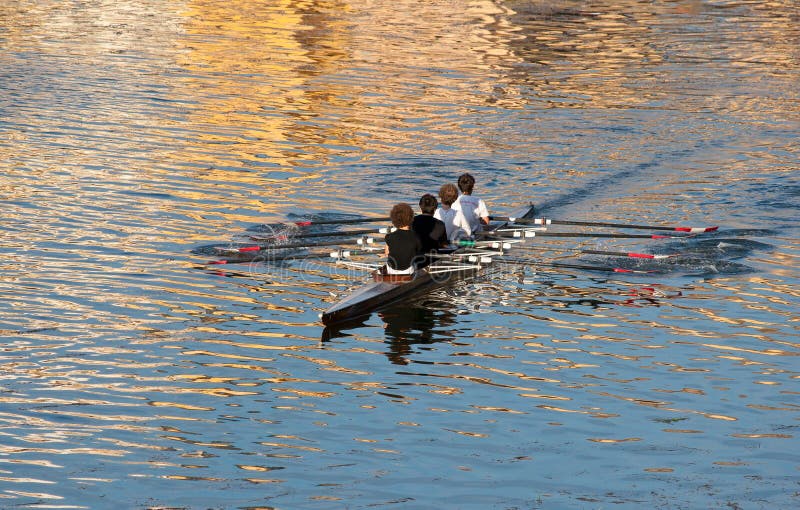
(403, 246)
(473, 209)
(431, 231)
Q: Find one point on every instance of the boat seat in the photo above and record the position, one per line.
(379, 276)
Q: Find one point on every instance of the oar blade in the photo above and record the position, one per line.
(696, 230)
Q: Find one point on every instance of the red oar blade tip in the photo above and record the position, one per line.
(249, 248)
(303, 223)
(696, 230)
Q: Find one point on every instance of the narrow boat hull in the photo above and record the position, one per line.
(374, 295)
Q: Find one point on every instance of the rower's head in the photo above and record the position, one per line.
(465, 183)
(428, 204)
(402, 215)
(448, 193)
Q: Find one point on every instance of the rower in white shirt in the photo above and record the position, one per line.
(473, 209)
(453, 219)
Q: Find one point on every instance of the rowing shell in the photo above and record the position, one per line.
(385, 290)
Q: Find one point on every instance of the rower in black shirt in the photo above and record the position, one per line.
(431, 231)
(403, 246)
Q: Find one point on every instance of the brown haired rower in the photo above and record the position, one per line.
(403, 245)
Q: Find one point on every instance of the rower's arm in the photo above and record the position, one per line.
(483, 212)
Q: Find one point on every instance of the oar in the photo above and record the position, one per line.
(321, 234)
(631, 255)
(247, 257)
(531, 233)
(506, 246)
(257, 248)
(597, 268)
(346, 221)
(254, 257)
(548, 221)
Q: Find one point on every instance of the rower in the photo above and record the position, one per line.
(472, 208)
(452, 218)
(403, 246)
(431, 231)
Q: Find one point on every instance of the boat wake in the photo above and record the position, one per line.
(707, 257)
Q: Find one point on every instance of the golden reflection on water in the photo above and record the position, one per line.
(266, 62)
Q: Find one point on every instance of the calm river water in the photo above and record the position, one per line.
(133, 133)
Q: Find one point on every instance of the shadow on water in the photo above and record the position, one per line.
(404, 325)
(343, 329)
